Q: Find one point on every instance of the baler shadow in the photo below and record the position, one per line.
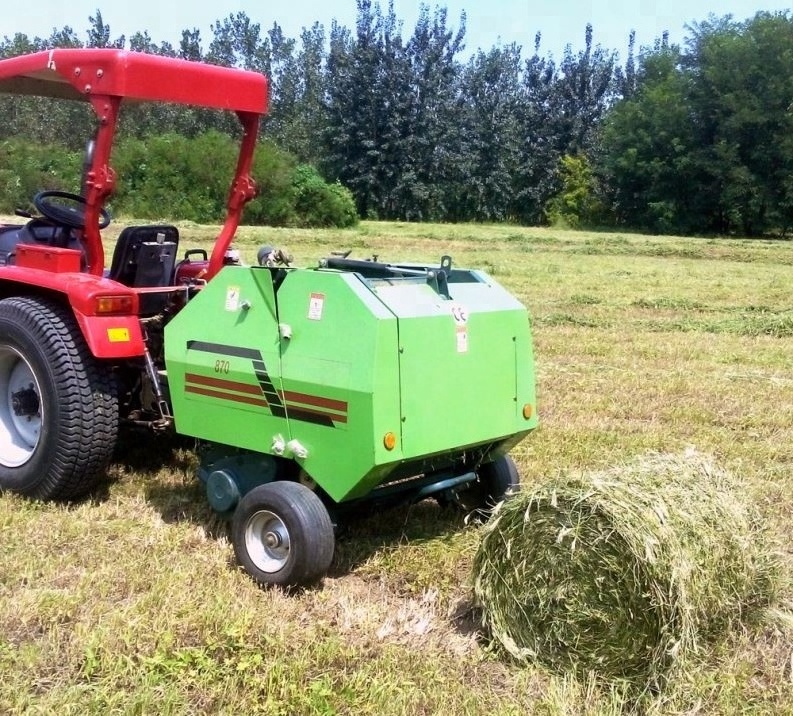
(358, 537)
(362, 536)
(165, 466)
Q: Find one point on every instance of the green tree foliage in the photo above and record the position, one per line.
(99, 34)
(274, 170)
(291, 194)
(172, 177)
(418, 135)
(686, 140)
(491, 82)
(35, 118)
(558, 113)
(238, 42)
(539, 146)
(394, 134)
(412, 130)
(190, 46)
(317, 203)
(649, 150)
(704, 145)
(29, 167)
(362, 118)
(434, 154)
(298, 115)
(585, 90)
(742, 93)
(578, 203)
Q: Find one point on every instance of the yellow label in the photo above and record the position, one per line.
(118, 335)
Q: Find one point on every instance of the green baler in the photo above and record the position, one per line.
(355, 382)
(312, 392)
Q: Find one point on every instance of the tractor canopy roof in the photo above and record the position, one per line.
(85, 74)
(108, 78)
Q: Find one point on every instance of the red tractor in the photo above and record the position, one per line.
(74, 355)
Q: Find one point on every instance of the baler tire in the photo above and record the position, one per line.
(283, 535)
(58, 404)
(495, 481)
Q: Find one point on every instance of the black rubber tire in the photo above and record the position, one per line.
(300, 530)
(495, 481)
(71, 403)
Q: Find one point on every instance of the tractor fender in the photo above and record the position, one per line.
(111, 335)
(108, 336)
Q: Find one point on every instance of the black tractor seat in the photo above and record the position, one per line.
(144, 258)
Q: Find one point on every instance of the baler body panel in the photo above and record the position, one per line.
(324, 368)
(460, 358)
(344, 348)
(223, 363)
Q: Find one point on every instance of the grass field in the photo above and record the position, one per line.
(130, 602)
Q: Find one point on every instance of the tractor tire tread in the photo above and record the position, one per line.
(86, 396)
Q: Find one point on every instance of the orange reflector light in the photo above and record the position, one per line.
(528, 411)
(114, 304)
(389, 440)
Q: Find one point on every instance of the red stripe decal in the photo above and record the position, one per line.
(335, 417)
(261, 402)
(304, 399)
(224, 384)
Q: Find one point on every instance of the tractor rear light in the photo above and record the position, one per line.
(114, 304)
(528, 411)
(389, 441)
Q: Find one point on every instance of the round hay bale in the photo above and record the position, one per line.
(622, 572)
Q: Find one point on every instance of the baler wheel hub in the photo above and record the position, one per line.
(273, 539)
(267, 541)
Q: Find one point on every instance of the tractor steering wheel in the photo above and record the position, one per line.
(66, 209)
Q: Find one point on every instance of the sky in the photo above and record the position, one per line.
(488, 22)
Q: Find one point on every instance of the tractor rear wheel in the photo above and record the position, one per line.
(495, 481)
(58, 404)
(282, 535)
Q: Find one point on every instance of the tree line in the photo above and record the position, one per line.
(672, 139)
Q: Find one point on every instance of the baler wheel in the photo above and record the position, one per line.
(58, 404)
(282, 535)
(495, 481)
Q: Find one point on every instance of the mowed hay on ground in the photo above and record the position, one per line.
(625, 572)
(131, 603)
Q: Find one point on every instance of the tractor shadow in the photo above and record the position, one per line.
(166, 467)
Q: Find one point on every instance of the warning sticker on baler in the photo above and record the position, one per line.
(316, 304)
(232, 298)
(462, 339)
